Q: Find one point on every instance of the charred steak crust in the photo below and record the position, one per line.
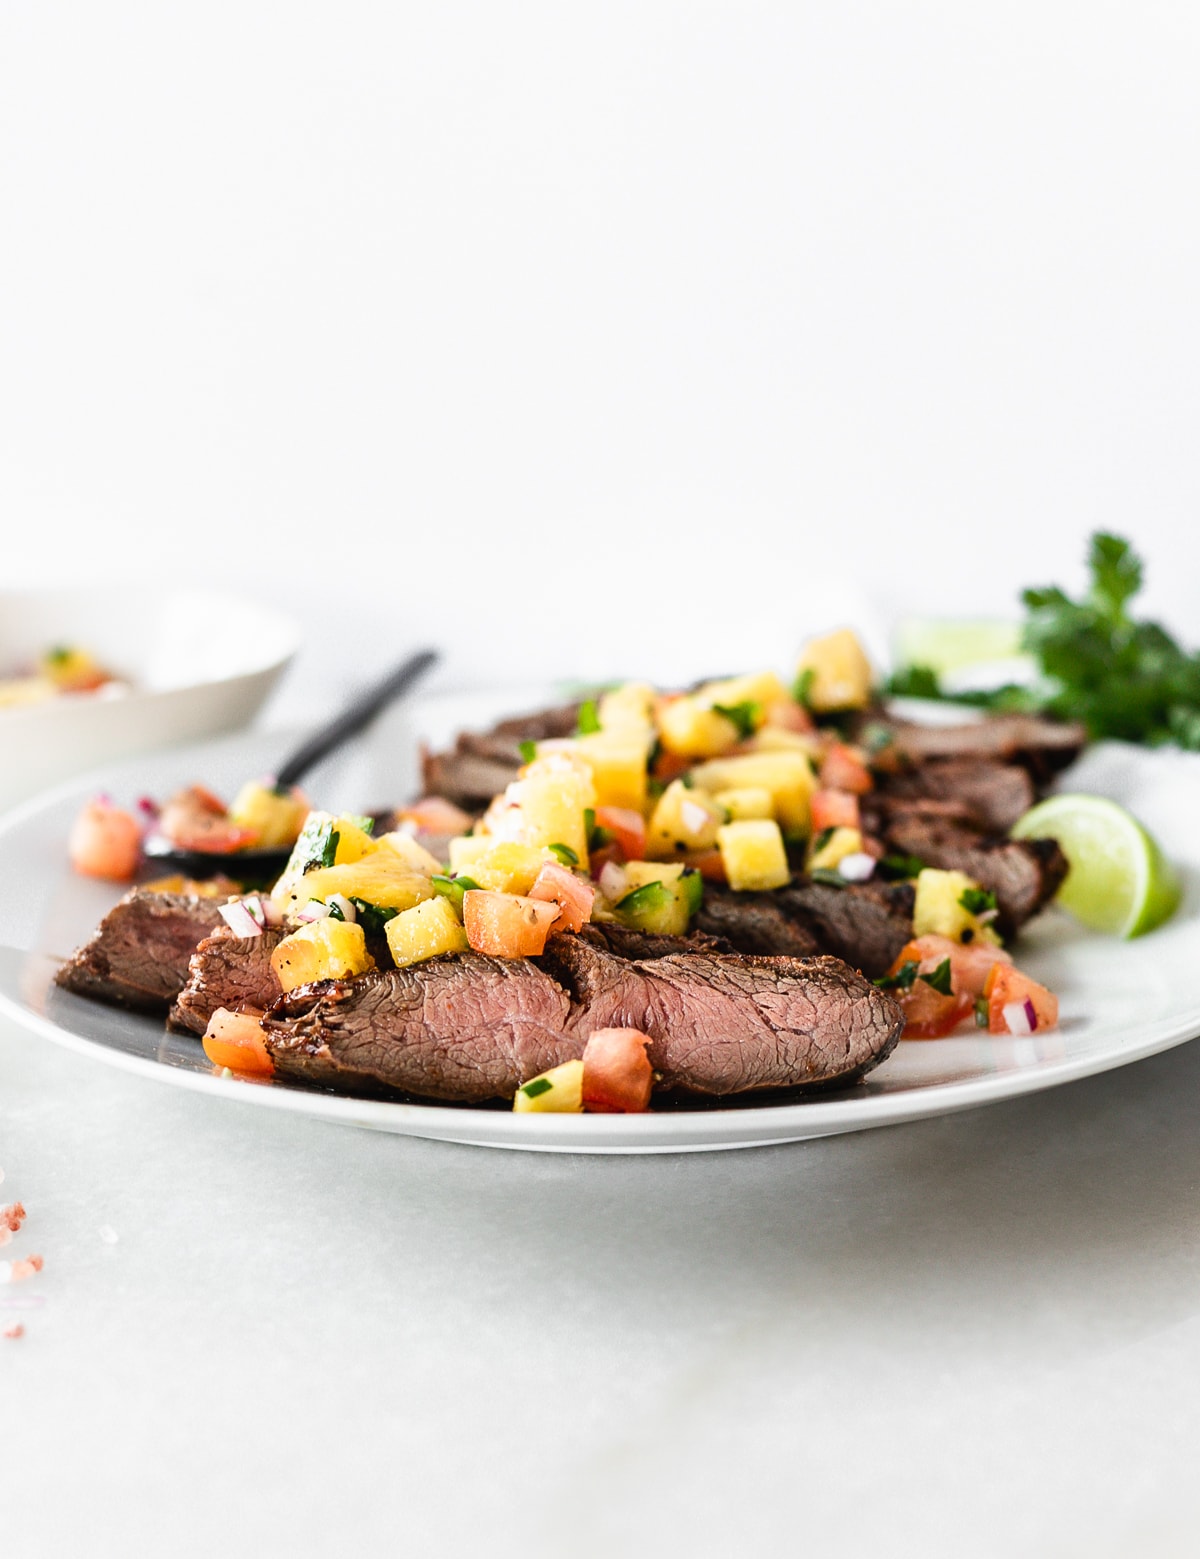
(865, 925)
(138, 956)
(227, 971)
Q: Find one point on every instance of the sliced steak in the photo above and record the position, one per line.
(723, 1024)
(866, 925)
(139, 954)
(227, 971)
(992, 796)
(1024, 874)
(482, 763)
(758, 923)
(464, 1029)
(1042, 746)
(638, 945)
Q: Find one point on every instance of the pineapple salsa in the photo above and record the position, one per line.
(742, 781)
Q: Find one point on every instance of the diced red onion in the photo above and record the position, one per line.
(614, 883)
(1019, 1017)
(313, 910)
(340, 901)
(857, 867)
(239, 919)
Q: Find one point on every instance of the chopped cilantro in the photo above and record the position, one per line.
(745, 717)
(823, 839)
(336, 912)
(329, 850)
(536, 1086)
(977, 901)
(565, 854)
(915, 682)
(981, 1012)
(373, 917)
(59, 655)
(528, 750)
(939, 978)
(903, 978)
(901, 866)
(802, 686)
(829, 878)
(589, 719)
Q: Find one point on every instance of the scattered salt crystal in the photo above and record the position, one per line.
(108, 1234)
(15, 1330)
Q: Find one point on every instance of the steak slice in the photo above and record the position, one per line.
(1040, 745)
(1024, 874)
(464, 1029)
(138, 956)
(991, 796)
(638, 945)
(722, 1024)
(227, 971)
(866, 925)
(482, 763)
(756, 923)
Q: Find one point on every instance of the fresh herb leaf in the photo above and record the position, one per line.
(903, 978)
(373, 917)
(914, 682)
(528, 751)
(939, 978)
(565, 854)
(536, 1086)
(329, 851)
(802, 686)
(589, 718)
(977, 901)
(336, 912)
(823, 839)
(900, 867)
(745, 717)
(981, 1012)
(829, 878)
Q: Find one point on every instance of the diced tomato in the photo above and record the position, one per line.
(843, 768)
(105, 842)
(970, 965)
(628, 829)
(507, 925)
(930, 1015)
(236, 1040)
(788, 716)
(709, 863)
(436, 815)
(554, 884)
(670, 765)
(617, 1075)
(1008, 986)
(195, 819)
(834, 809)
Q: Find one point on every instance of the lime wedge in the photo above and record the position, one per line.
(948, 643)
(1120, 881)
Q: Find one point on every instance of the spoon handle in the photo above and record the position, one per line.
(352, 719)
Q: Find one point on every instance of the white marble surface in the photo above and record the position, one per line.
(978, 1335)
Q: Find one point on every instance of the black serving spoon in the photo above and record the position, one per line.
(262, 865)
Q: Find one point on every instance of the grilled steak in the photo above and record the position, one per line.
(227, 971)
(481, 763)
(1041, 746)
(755, 923)
(139, 955)
(468, 1029)
(464, 1029)
(866, 926)
(990, 796)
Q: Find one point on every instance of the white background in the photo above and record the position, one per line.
(599, 337)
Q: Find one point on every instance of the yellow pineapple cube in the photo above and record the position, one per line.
(428, 930)
(547, 804)
(415, 856)
(691, 728)
(841, 673)
(639, 873)
(556, 1092)
(753, 855)
(684, 818)
(746, 801)
(834, 850)
(763, 688)
(939, 911)
(617, 761)
(507, 867)
(382, 879)
(467, 849)
(627, 709)
(322, 950)
(787, 775)
(276, 819)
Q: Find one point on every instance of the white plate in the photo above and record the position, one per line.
(1119, 1002)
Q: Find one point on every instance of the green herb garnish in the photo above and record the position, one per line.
(902, 980)
(373, 917)
(823, 839)
(528, 750)
(901, 866)
(565, 854)
(939, 978)
(831, 879)
(536, 1086)
(336, 912)
(977, 901)
(802, 687)
(745, 717)
(589, 718)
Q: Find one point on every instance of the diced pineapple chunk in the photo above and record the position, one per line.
(833, 850)
(753, 854)
(939, 911)
(787, 775)
(467, 849)
(685, 818)
(428, 930)
(415, 856)
(690, 728)
(746, 801)
(322, 950)
(381, 879)
(639, 873)
(556, 1092)
(618, 764)
(662, 897)
(547, 804)
(777, 738)
(276, 819)
(763, 688)
(841, 673)
(506, 867)
(628, 708)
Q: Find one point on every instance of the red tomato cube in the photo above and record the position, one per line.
(507, 925)
(617, 1075)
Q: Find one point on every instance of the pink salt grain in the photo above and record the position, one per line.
(12, 1216)
(26, 1269)
(14, 1331)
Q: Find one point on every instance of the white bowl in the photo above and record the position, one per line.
(198, 664)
